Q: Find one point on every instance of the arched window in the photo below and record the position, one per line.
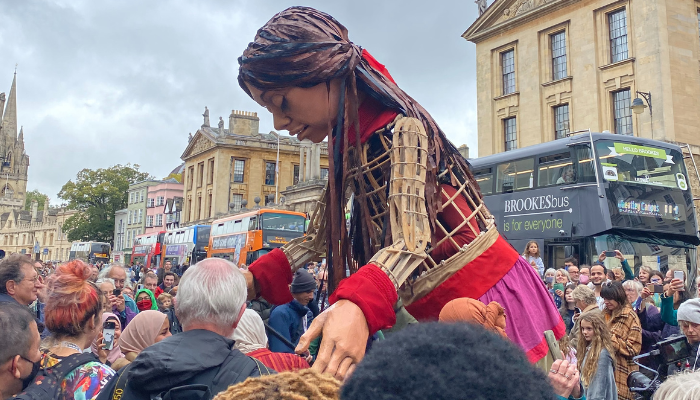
(7, 191)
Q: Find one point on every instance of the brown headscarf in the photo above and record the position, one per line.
(491, 317)
(304, 47)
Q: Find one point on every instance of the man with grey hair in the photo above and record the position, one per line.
(211, 300)
(586, 303)
(113, 301)
(19, 353)
(117, 273)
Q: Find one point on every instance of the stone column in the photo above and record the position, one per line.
(316, 166)
(301, 164)
(307, 174)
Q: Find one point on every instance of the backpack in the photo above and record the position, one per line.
(190, 390)
(47, 384)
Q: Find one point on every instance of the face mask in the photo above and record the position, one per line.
(36, 367)
(144, 305)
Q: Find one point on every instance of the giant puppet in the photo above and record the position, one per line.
(418, 227)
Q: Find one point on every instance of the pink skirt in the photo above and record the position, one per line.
(527, 317)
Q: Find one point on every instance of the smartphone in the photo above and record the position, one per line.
(139, 286)
(583, 279)
(655, 288)
(108, 334)
(679, 275)
(609, 254)
(558, 286)
(117, 292)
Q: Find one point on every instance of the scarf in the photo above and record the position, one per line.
(142, 331)
(250, 333)
(116, 352)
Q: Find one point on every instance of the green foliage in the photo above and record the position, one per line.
(35, 195)
(97, 195)
(177, 177)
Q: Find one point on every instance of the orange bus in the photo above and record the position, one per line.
(244, 237)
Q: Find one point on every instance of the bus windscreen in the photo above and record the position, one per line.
(641, 165)
(283, 222)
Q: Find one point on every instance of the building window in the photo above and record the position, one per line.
(140, 216)
(510, 134)
(561, 121)
(143, 196)
(151, 202)
(131, 197)
(618, 35)
(324, 173)
(199, 207)
(210, 201)
(269, 173)
(508, 66)
(159, 219)
(296, 174)
(559, 55)
(211, 170)
(238, 170)
(190, 177)
(128, 219)
(200, 174)
(622, 114)
(236, 200)
(149, 221)
(160, 200)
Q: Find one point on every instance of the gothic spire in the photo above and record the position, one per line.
(9, 118)
(20, 138)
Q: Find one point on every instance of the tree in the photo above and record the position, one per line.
(97, 195)
(35, 195)
(177, 177)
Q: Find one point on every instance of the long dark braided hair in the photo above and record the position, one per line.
(304, 47)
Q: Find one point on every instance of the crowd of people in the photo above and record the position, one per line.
(612, 316)
(202, 337)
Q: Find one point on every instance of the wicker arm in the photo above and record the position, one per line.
(303, 249)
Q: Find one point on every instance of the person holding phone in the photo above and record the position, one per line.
(628, 274)
(596, 361)
(108, 340)
(561, 279)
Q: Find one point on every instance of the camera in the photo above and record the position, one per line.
(666, 352)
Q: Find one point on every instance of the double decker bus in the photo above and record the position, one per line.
(148, 249)
(90, 252)
(186, 245)
(243, 238)
(594, 192)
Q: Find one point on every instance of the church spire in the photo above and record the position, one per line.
(9, 118)
(20, 138)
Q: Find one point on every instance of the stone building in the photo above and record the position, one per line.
(549, 67)
(35, 232)
(227, 168)
(120, 224)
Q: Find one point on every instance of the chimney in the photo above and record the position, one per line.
(46, 206)
(243, 123)
(35, 208)
(464, 150)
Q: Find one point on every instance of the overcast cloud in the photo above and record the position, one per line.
(107, 82)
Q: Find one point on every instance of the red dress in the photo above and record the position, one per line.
(498, 274)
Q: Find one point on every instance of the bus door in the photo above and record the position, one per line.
(557, 252)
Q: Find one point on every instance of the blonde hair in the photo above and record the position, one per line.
(601, 340)
(301, 385)
(165, 296)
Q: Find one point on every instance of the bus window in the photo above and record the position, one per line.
(229, 226)
(253, 226)
(238, 226)
(641, 165)
(218, 229)
(190, 236)
(484, 177)
(584, 164)
(555, 169)
(515, 175)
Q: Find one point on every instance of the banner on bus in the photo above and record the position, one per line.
(175, 250)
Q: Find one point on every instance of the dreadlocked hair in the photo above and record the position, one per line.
(301, 385)
(590, 351)
(304, 47)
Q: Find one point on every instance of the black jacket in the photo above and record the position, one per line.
(191, 357)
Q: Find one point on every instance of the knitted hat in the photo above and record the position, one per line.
(690, 311)
(303, 282)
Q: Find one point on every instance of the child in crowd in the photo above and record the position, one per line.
(596, 357)
(165, 302)
(532, 255)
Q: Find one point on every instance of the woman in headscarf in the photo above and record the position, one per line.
(147, 327)
(251, 340)
(115, 358)
(491, 316)
(145, 300)
(417, 224)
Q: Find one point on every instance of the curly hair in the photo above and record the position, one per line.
(601, 340)
(446, 361)
(303, 385)
(72, 300)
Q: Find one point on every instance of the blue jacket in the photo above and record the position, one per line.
(287, 319)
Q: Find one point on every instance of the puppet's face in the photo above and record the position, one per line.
(308, 113)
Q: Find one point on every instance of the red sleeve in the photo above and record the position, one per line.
(274, 275)
(374, 293)
(159, 291)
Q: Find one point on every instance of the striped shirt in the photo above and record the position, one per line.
(279, 362)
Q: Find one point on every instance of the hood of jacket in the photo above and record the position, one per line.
(178, 358)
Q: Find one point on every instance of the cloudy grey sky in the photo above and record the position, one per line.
(107, 82)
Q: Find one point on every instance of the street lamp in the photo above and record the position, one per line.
(638, 105)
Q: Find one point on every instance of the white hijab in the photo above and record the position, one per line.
(250, 333)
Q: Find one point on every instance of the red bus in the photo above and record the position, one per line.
(147, 249)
